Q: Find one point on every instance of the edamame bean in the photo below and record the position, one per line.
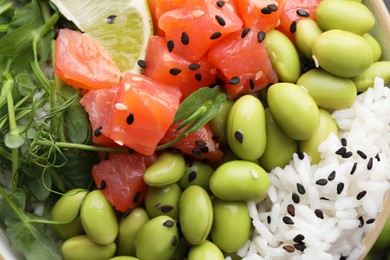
(307, 31)
(239, 181)
(123, 257)
(280, 147)
(375, 46)
(157, 239)
(344, 15)
(195, 214)
(98, 218)
(128, 230)
(196, 173)
(67, 208)
(246, 128)
(366, 79)
(342, 53)
(310, 146)
(167, 169)
(205, 251)
(218, 123)
(81, 247)
(283, 55)
(294, 110)
(231, 225)
(328, 90)
(163, 201)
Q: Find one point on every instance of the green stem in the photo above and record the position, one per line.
(81, 147)
(4, 27)
(5, 7)
(12, 205)
(5, 154)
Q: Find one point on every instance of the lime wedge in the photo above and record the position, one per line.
(122, 27)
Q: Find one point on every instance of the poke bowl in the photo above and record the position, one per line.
(61, 197)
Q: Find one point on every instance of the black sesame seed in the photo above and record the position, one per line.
(127, 213)
(344, 142)
(174, 241)
(196, 152)
(332, 176)
(370, 221)
(288, 220)
(300, 247)
(300, 188)
(175, 71)
(353, 168)
(239, 136)
(319, 213)
(168, 223)
(103, 185)
(341, 151)
(191, 176)
(266, 10)
(340, 188)
(361, 154)
(200, 143)
(220, 20)
(141, 64)
(289, 248)
(322, 182)
(323, 198)
(301, 155)
(136, 197)
(260, 36)
(370, 163)
(234, 80)
(252, 83)
(269, 219)
(111, 19)
(185, 39)
(220, 3)
(361, 221)
(245, 32)
(130, 119)
(377, 157)
(295, 197)
(347, 155)
(293, 27)
(291, 210)
(272, 7)
(194, 66)
(361, 195)
(198, 77)
(215, 35)
(299, 238)
(204, 149)
(97, 131)
(166, 208)
(303, 13)
(170, 45)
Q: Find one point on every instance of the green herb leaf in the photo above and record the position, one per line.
(194, 101)
(38, 181)
(13, 140)
(77, 124)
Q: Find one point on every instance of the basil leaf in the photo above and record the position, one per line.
(194, 101)
(34, 243)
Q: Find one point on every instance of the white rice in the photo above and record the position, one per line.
(349, 203)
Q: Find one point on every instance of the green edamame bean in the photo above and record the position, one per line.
(218, 123)
(196, 173)
(283, 55)
(195, 214)
(246, 128)
(123, 257)
(67, 208)
(375, 46)
(157, 239)
(310, 146)
(231, 225)
(128, 230)
(344, 15)
(366, 79)
(307, 31)
(167, 169)
(294, 110)
(328, 90)
(98, 218)
(239, 181)
(342, 53)
(280, 147)
(205, 251)
(81, 247)
(163, 201)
